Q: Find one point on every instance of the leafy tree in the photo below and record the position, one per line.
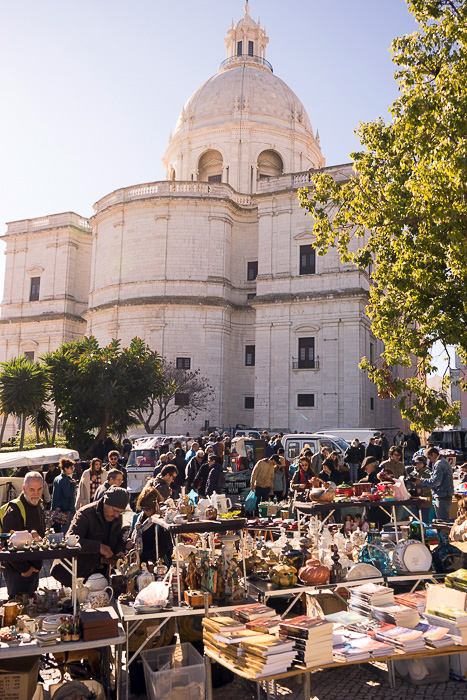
(23, 390)
(182, 390)
(403, 216)
(97, 389)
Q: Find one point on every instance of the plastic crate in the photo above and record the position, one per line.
(434, 669)
(174, 673)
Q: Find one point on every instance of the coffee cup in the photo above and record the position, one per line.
(72, 540)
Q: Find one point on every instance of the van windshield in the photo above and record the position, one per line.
(143, 458)
(342, 443)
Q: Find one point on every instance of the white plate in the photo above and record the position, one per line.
(362, 570)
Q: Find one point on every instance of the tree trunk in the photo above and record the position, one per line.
(23, 429)
(38, 437)
(54, 430)
(2, 431)
(103, 429)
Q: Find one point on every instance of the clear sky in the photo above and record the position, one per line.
(90, 89)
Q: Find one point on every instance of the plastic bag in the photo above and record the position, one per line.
(400, 491)
(193, 496)
(250, 501)
(156, 593)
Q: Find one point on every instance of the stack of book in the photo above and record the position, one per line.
(455, 620)
(221, 626)
(265, 655)
(372, 646)
(401, 638)
(363, 597)
(265, 625)
(457, 579)
(247, 613)
(312, 640)
(414, 600)
(435, 637)
(396, 614)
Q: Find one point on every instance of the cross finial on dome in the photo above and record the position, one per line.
(247, 8)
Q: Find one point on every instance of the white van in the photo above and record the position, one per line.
(362, 434)
(295, 442)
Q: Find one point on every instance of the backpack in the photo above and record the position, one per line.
(18, 502)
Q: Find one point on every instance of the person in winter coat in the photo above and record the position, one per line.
(63, 497)
(201, 477)
(280, 482)
(90, 481)
(215, 478)
(352, 457)
(99, 527)
(301, 478)
(192, 469)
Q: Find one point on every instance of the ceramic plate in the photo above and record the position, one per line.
(362, 571)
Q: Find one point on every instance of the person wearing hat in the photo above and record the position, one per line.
(99, 527)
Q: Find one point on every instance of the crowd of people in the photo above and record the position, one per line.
(90, 502)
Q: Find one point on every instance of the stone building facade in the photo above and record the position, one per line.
(214, 266)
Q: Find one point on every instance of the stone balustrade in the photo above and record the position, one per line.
(169, 188)
(53, 221)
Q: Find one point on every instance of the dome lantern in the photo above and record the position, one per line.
(246, 44)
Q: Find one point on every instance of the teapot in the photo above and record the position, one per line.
(96, 582)
(100, 594)
(20, 539)
(283, 575)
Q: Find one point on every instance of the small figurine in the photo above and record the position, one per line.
(237, 592)
(190, 578)
(337, 572)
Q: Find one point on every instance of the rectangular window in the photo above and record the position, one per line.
(29, 354)
(183, 363)
(250, 355)
(35, 288)
(250, 48)
(307, 260)
(215, 178)
(181, 399)
(372, 404)
(252, 270)
(305, 400)
(249, 401)
(251, 296)
(239, 48)
(372, 353)
(306, 353)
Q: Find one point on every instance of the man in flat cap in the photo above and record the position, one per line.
(99, 527)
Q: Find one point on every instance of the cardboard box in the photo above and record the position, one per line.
(18, 678)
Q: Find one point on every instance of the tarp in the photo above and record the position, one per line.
(33, 458)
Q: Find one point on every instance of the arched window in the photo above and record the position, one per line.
(210, 167)
(269, 165)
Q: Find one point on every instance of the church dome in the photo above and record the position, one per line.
(238, 89)
(244, 123)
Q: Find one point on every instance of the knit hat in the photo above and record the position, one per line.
(116, 497)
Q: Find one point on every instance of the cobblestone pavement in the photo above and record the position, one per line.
(360, 682)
